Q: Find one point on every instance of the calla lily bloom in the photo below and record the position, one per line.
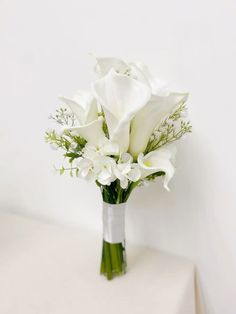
(91, 132)
(83, 105)
(141, 71)
(156, 161)
(104, 65)
(152, 115)
(121, 97)
(136, 70)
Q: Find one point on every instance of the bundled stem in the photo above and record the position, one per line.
(113, 261)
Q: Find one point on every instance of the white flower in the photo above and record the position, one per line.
(150, 118)
(108, 147)
(104, 147)
(85, 169)
(127, 171)
(136, 70)
(158, 160)
(84, 107)
(96, 163)
(91, 132)
(104, 170)
(158, 87)
(150, 114)
(90, 152)
(121, 97)
(104, 65)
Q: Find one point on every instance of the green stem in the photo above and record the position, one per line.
(113, 262)
(107, 260)
(119, 195)
(130, 189)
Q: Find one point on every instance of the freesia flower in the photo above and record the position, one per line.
(156, 161)
(104, 170)
(99, 163)
(121, 97)
(85, 167)
(127, 171)
(99, 169)
(104, 147)
(108, 147)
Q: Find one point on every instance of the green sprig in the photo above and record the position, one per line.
(58, 141)
(169, 131)
(64, 117)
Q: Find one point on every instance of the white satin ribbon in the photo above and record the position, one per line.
(114, 222)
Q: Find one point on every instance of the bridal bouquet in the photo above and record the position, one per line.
(119, 135)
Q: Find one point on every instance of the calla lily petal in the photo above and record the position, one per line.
(91, 113)
(91, 132)
(83, 105)
(121, 97)
(75, 108)
(87, 101)
(136, 70)
(158, 87)
(158, 160)
(152, 115)
(104, 65)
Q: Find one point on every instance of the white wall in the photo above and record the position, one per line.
(44, 53)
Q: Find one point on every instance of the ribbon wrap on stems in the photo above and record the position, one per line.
(114, 222)
(113, 261)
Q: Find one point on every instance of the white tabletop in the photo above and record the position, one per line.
(50, 269)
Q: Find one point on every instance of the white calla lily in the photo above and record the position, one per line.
(136, 70)
(152, 115)
(142, 72)
(156, 161)
(104, 65)
(83, 105)
(121, 97)
(91, 132)
(89, 126)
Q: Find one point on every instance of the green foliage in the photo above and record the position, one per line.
(76, 141)
(57, 141)
(73, 171)
(169, 130)
(73, 146)
(67, 141)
